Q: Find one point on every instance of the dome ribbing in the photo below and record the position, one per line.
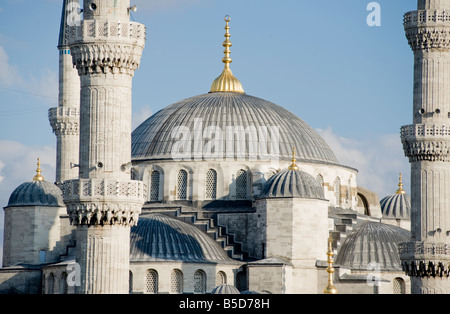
(273, 125)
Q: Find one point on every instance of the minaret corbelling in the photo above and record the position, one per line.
(427, 145)
(65, 118)
(104, 202)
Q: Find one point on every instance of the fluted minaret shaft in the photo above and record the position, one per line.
(65, 118)
(104, 203)
(427, 145)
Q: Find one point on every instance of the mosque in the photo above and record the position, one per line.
(223, 192)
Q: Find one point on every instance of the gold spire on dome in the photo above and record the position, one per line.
(293, 166)
(400, 186)
(227, 82)
(330, 288)
(38, 176)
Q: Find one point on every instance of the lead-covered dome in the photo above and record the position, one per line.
(373, 242)
(162, 238)
(397, 206)
(292, 184)
(36, 193)
(154, 140)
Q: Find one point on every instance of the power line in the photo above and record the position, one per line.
(27, 93)
(22, 111)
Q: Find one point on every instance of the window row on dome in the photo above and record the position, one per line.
(212, 186)
(183, 185)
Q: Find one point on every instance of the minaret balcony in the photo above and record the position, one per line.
(103, 201)
(422, 142)
(426, 18)
(108, 30)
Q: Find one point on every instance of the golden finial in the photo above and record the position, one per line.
(38, 176)
(227, 82)
(400, 186)
(293, 166)
(330, 288)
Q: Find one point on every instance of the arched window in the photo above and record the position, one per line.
(151, 282)
(399, 286)
(337, 191)
(363, 204)
(199, 281)
(130, 282)
(221, 278)
(63, 287)
(319, 180)
(51, 284)
(240, 281)
(176, 282)
(349, 190)
(241, 185)
(211, 184)
(154, 186)
(182, 184)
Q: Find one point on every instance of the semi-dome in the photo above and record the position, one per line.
(162, 238)
(272, 124)
(36, 193)
(373, 242)
(292, 184)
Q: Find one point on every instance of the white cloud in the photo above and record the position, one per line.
(379, 160)
(2, 165)
(8, 73)
(10, 76)
(140, 116)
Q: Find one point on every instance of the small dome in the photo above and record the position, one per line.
(36, 193)
(292, 183)
(162, 238)
(397, 206)
(225, 289)
(373, 243)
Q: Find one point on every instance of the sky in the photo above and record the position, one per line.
(319, 59)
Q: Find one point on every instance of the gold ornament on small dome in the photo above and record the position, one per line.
(38, 176)
(293, 166)
(227, 82)
(330, 288)
(400, 186)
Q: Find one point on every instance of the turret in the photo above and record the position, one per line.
(35, 232)
(65, 118)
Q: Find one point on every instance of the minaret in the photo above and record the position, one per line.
(65, 118)
(104, 203)
(427, 145)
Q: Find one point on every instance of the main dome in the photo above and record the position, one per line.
(153, 139)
